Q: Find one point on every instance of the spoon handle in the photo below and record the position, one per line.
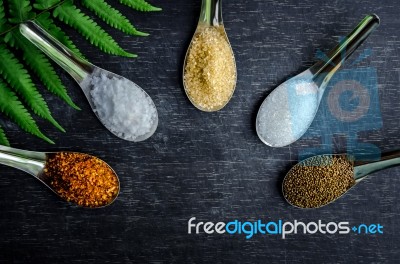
(362, 168)
(211, 13)
(40, 156)
(324, 69)
(33, 167)
(74, 65)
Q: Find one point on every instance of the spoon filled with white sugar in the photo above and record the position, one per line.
(288, 111)
(124, 108)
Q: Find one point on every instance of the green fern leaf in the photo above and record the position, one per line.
(71, 15)
(2, 14)
(112, 16)
(45, 4)
(39, 64)
(140, 5)
(47, 23)
(3, 138)
(20, 11)
(18, 78)
(3, 21)
(14, 109)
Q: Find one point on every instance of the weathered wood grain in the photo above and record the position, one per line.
(212, 166)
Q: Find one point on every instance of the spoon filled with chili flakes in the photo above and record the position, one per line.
(78, 178)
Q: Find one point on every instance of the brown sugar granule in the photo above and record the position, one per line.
(210, 69)
(318, 181)
(81, 179)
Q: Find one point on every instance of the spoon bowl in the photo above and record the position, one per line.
(298, 100)
(90, 85)
(211, 23)
(129, 112)
(318, 181)
(35, 164)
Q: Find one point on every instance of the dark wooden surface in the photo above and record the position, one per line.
(212, 165)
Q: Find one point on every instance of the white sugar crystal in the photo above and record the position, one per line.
(288, 111)
(122, 107)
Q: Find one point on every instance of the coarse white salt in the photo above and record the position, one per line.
(288, 111)
(123, 107)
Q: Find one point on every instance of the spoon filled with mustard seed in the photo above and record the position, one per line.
(78, 178)
(320, 180)
(209, 70)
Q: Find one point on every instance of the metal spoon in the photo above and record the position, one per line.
(84, 72)
(361, 169)
(34, 163)
(288, 111)
(210, 16)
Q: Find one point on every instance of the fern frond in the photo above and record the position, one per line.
(47, 23)
(3, 138)
(3, 21)
(71, 15)
(20, 11)
(2, 14)
(15, 110)
(45, 4)
(140, 5)
(39, 64)
(112, 16)
(19, 79)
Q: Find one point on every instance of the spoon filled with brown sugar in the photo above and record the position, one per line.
(320, 180)
(78, 178)
(209, 71)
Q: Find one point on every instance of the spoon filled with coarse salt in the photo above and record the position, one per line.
(288, 111)
(209, 70)
(78, 178)
(321, 180)
(124, 108)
